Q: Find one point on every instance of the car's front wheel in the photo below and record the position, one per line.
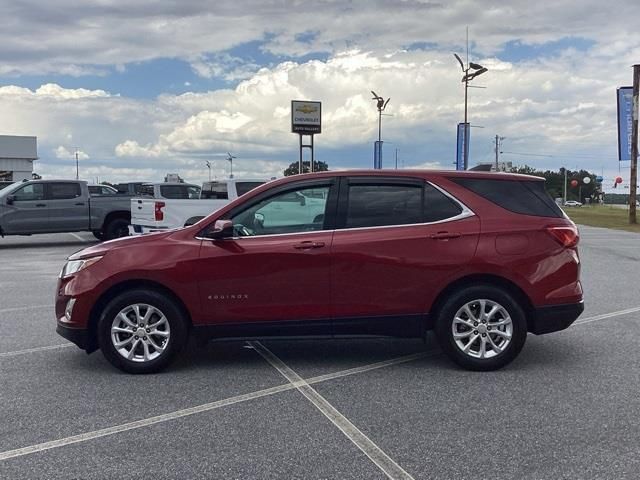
(481, 328)
(141, 331)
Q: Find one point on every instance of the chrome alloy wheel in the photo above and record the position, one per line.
(140, 332)
(482, 328)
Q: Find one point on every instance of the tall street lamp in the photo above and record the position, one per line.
(381, 104)
(472, 71)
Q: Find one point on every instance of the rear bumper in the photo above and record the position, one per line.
(78, 336)
(553, 318)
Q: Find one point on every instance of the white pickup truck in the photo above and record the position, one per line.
(160, 214)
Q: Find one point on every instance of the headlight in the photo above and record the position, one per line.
(74, 266)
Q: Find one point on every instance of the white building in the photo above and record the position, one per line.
(17, 155)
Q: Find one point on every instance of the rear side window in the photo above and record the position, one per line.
(437, 206)
(63, 191)
(526, 197)
(217, 190)
(179, 192)
(244, 187)
(378, 205)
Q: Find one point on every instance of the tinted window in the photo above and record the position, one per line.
(244, 187)
(63, 191)
(33, 191)
(145, 190)
(377, 205)
(527, 197)
(216, 190)
(179, 191)
(437, 206)
(288, 212)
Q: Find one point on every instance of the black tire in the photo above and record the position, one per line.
(474, 358)
(98, 234)
(174, 328)
(116, 228)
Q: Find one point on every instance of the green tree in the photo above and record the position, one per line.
(554, 183)
(318, 166)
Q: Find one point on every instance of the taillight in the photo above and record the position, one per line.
(568, 236)
(158, 211)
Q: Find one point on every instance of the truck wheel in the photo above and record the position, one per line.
(116, 228)
(98, 234)
(481, 328)
(141, 331)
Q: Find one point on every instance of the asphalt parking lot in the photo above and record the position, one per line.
(568, 407)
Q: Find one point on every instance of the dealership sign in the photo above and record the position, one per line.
(306, 117)
(625, 122)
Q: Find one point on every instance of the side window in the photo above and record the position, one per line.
(292, 211)
(33, 191)
(437, 206)
(244, 187)
(193, 193)
(64, 191)
(215, 190)
(371, 205)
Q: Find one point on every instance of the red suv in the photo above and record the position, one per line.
(481, 258)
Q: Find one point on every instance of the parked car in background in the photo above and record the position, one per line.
(54, 206)
(165, 213)
(572, 203)
(481, 258)
(102, 190)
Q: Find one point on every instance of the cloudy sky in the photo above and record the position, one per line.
(146, 88)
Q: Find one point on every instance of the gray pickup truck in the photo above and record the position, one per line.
(54, 206)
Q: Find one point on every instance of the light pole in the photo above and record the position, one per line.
(466, 78)
(381, 104)
(230, 159)
(208, 164)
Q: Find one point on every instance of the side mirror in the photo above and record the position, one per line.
(221, 229)
(11, 199)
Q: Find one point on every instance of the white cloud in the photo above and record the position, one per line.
(63, 152)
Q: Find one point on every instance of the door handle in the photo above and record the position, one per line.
(80, 204)
(41, 204)
(445, 235)
(308, 245)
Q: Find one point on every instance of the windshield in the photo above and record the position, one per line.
(9, 189)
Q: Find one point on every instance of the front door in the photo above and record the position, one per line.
(276, 268)
(28, 213)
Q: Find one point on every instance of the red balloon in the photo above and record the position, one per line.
(574, 183)
(618, 179)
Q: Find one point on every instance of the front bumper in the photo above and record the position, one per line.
(78, 336)
(552, 318)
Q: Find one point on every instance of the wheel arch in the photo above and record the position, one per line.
(118, 214)
(483, 279)
(114, 290)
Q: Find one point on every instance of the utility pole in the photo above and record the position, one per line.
(498, 152)
(633, 184)
(564, 194)
(77, 165)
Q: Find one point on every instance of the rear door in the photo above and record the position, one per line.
(397, 242)
(68, 209)
(28, 213)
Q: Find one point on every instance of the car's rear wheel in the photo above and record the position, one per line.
(481, 328)
(116, 228)
(141, 331)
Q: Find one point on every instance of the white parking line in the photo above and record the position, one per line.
(36, 349)
(83, 437)
(17, 309)
(78, 237)
(607, 315)
(364, 443)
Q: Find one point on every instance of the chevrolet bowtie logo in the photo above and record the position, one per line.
(306, 109)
